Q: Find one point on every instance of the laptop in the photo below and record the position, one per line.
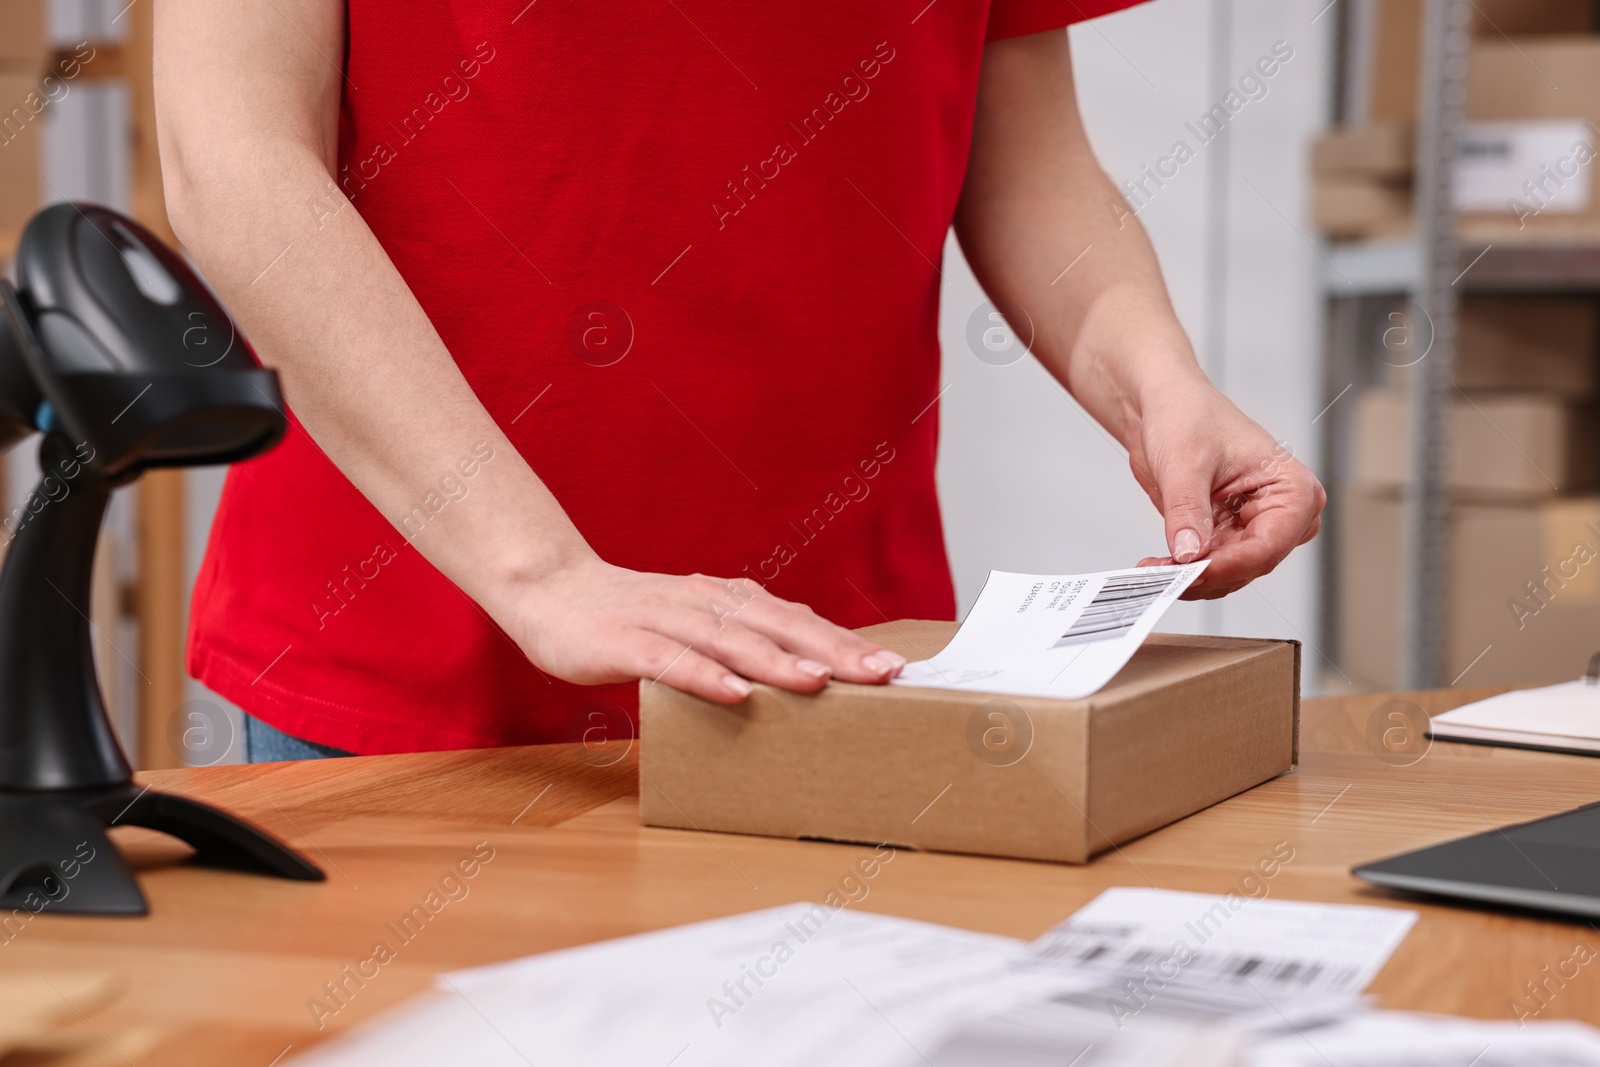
(1550, 864)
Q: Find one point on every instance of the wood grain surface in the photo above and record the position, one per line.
(227, 967)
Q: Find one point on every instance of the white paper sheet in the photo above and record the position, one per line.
(1061, 635)
(1053, 1033)
(1271, 947)
(848, 989)
(1571, 710)
(852, 989)
(1401, 1039)
(1139, 972)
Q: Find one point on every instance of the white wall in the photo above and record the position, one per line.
(1029, 482)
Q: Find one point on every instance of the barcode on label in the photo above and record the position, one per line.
(1114, 954)
(1117, 607)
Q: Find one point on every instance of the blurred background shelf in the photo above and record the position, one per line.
(1394, 265)
(1461, 435)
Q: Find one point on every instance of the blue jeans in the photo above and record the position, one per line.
(268, 744)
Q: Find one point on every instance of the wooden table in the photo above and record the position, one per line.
(223, 969)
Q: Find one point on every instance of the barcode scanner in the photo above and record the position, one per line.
(115, 352)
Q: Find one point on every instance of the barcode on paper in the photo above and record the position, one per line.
(1111, 953)
(1118, 606)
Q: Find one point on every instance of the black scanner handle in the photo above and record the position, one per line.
(130, 355)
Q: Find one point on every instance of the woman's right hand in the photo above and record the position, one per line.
(591, 622)
(373, 384)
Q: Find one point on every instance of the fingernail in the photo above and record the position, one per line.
(883, 661)
(813, 668)
(737, 685)
(1186, 545)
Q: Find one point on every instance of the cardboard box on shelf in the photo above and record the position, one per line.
(1397, 42)
(22, 34)
(1393, 61)
(21, 156)
(1502, 445)
(1188, 722)
(1523, 590)
(1545, 344)
(1380, 150)
(1358, 206)
(1521, 18)
(1529, 153)
(1528, 342)
(1522, 180)
(1550, 185)
(1535, 78)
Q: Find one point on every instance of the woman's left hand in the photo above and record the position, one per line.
(1228, 492)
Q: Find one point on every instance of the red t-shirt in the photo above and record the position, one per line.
(685, 253)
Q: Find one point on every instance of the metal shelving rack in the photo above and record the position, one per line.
(1365, 280)
(1425, 520)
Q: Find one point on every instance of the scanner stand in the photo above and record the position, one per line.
(63, 777)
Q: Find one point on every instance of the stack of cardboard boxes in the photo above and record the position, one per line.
(1523, 600)
(1524, 558)
(1533, 109)
(23, 58)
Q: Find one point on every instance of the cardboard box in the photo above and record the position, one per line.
(1546, 343)
(1190, 721)
(1359, 206)
(1517, 80)
(1396, 45)
(1525, 343)
(1523, 590)
(22, 34)
(1393, 61)
(21, 153)
(1533, 106)
(1529, 85)
(1385, 151)
(1535, 78)
(1502, 445)
(1494, 19)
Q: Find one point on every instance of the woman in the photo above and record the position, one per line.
(575, 305)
